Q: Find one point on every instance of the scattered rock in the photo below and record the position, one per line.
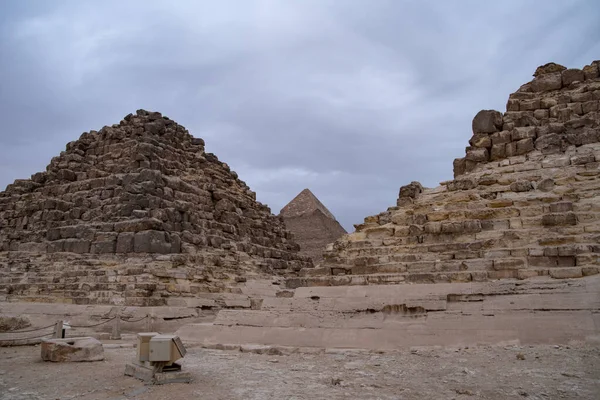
(548, 68)
(72, 350)
(8, 324)
(487, 121)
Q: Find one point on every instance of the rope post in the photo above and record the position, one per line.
(58, 330)
(116, 331)
(148, 323)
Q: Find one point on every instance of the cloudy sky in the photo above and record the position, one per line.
(351, 99)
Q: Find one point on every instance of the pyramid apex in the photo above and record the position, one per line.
(304, 203)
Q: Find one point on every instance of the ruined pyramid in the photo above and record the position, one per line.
(311, 223)
(134, 214)
(525, 200)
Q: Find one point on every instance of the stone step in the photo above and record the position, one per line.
(502, 269)
(492, 240)
(382, 313)
(316, 305)
(442, 290)
(485, 328)
(390, 317)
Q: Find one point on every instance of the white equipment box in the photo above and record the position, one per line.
(166, 348)
(143, 347)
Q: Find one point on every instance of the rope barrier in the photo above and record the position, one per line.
(58, 324)
(28, 330)
(22, 339)
(134, 320)
(91, 326)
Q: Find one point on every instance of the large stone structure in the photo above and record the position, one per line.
(524, 201)
(508, 251)
(311, 223)
(134, 214)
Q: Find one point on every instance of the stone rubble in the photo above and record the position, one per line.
(72, 350)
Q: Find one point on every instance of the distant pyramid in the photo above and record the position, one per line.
(311, 223)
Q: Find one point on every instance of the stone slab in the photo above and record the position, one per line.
(160, 378)
(78, 349)
(445, 330)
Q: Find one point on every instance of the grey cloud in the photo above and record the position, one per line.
(351, 99)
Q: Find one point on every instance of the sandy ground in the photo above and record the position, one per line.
(504, 372)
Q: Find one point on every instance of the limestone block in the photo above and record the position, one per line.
(581, 137)
(487, 121)
(508, 263)
(380, 232)
(529, 105)
(572, 75)
(498, 152)
(412, 190)
(521, 186)
(477, 155)
(472, 226)
(564, 206)
(510, 149)
(575, 108)
(156, 127)
(76, 246)
(66, 175)
(524, 132)
(432, 227)
(104, 247)
(564, 114)
(541, 114)
(55, 246)
(512, 105)
(587, 271)
(546, 82)
(481, 140)
(125, 242)
(548, 68)
(72, 350)
(581, 159)
(501, 137)
(581, 97)
(462, 184)
(151, 242)
(438, 215)
(452, 227)
(138, 225)
(548, 144)
(559, 219)
(470, 165)
(590, 71)
(524, 146)
(589, 106)
(566, 273)
(548, 102)
(402, 218)
(34, 247)
(566, 261)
